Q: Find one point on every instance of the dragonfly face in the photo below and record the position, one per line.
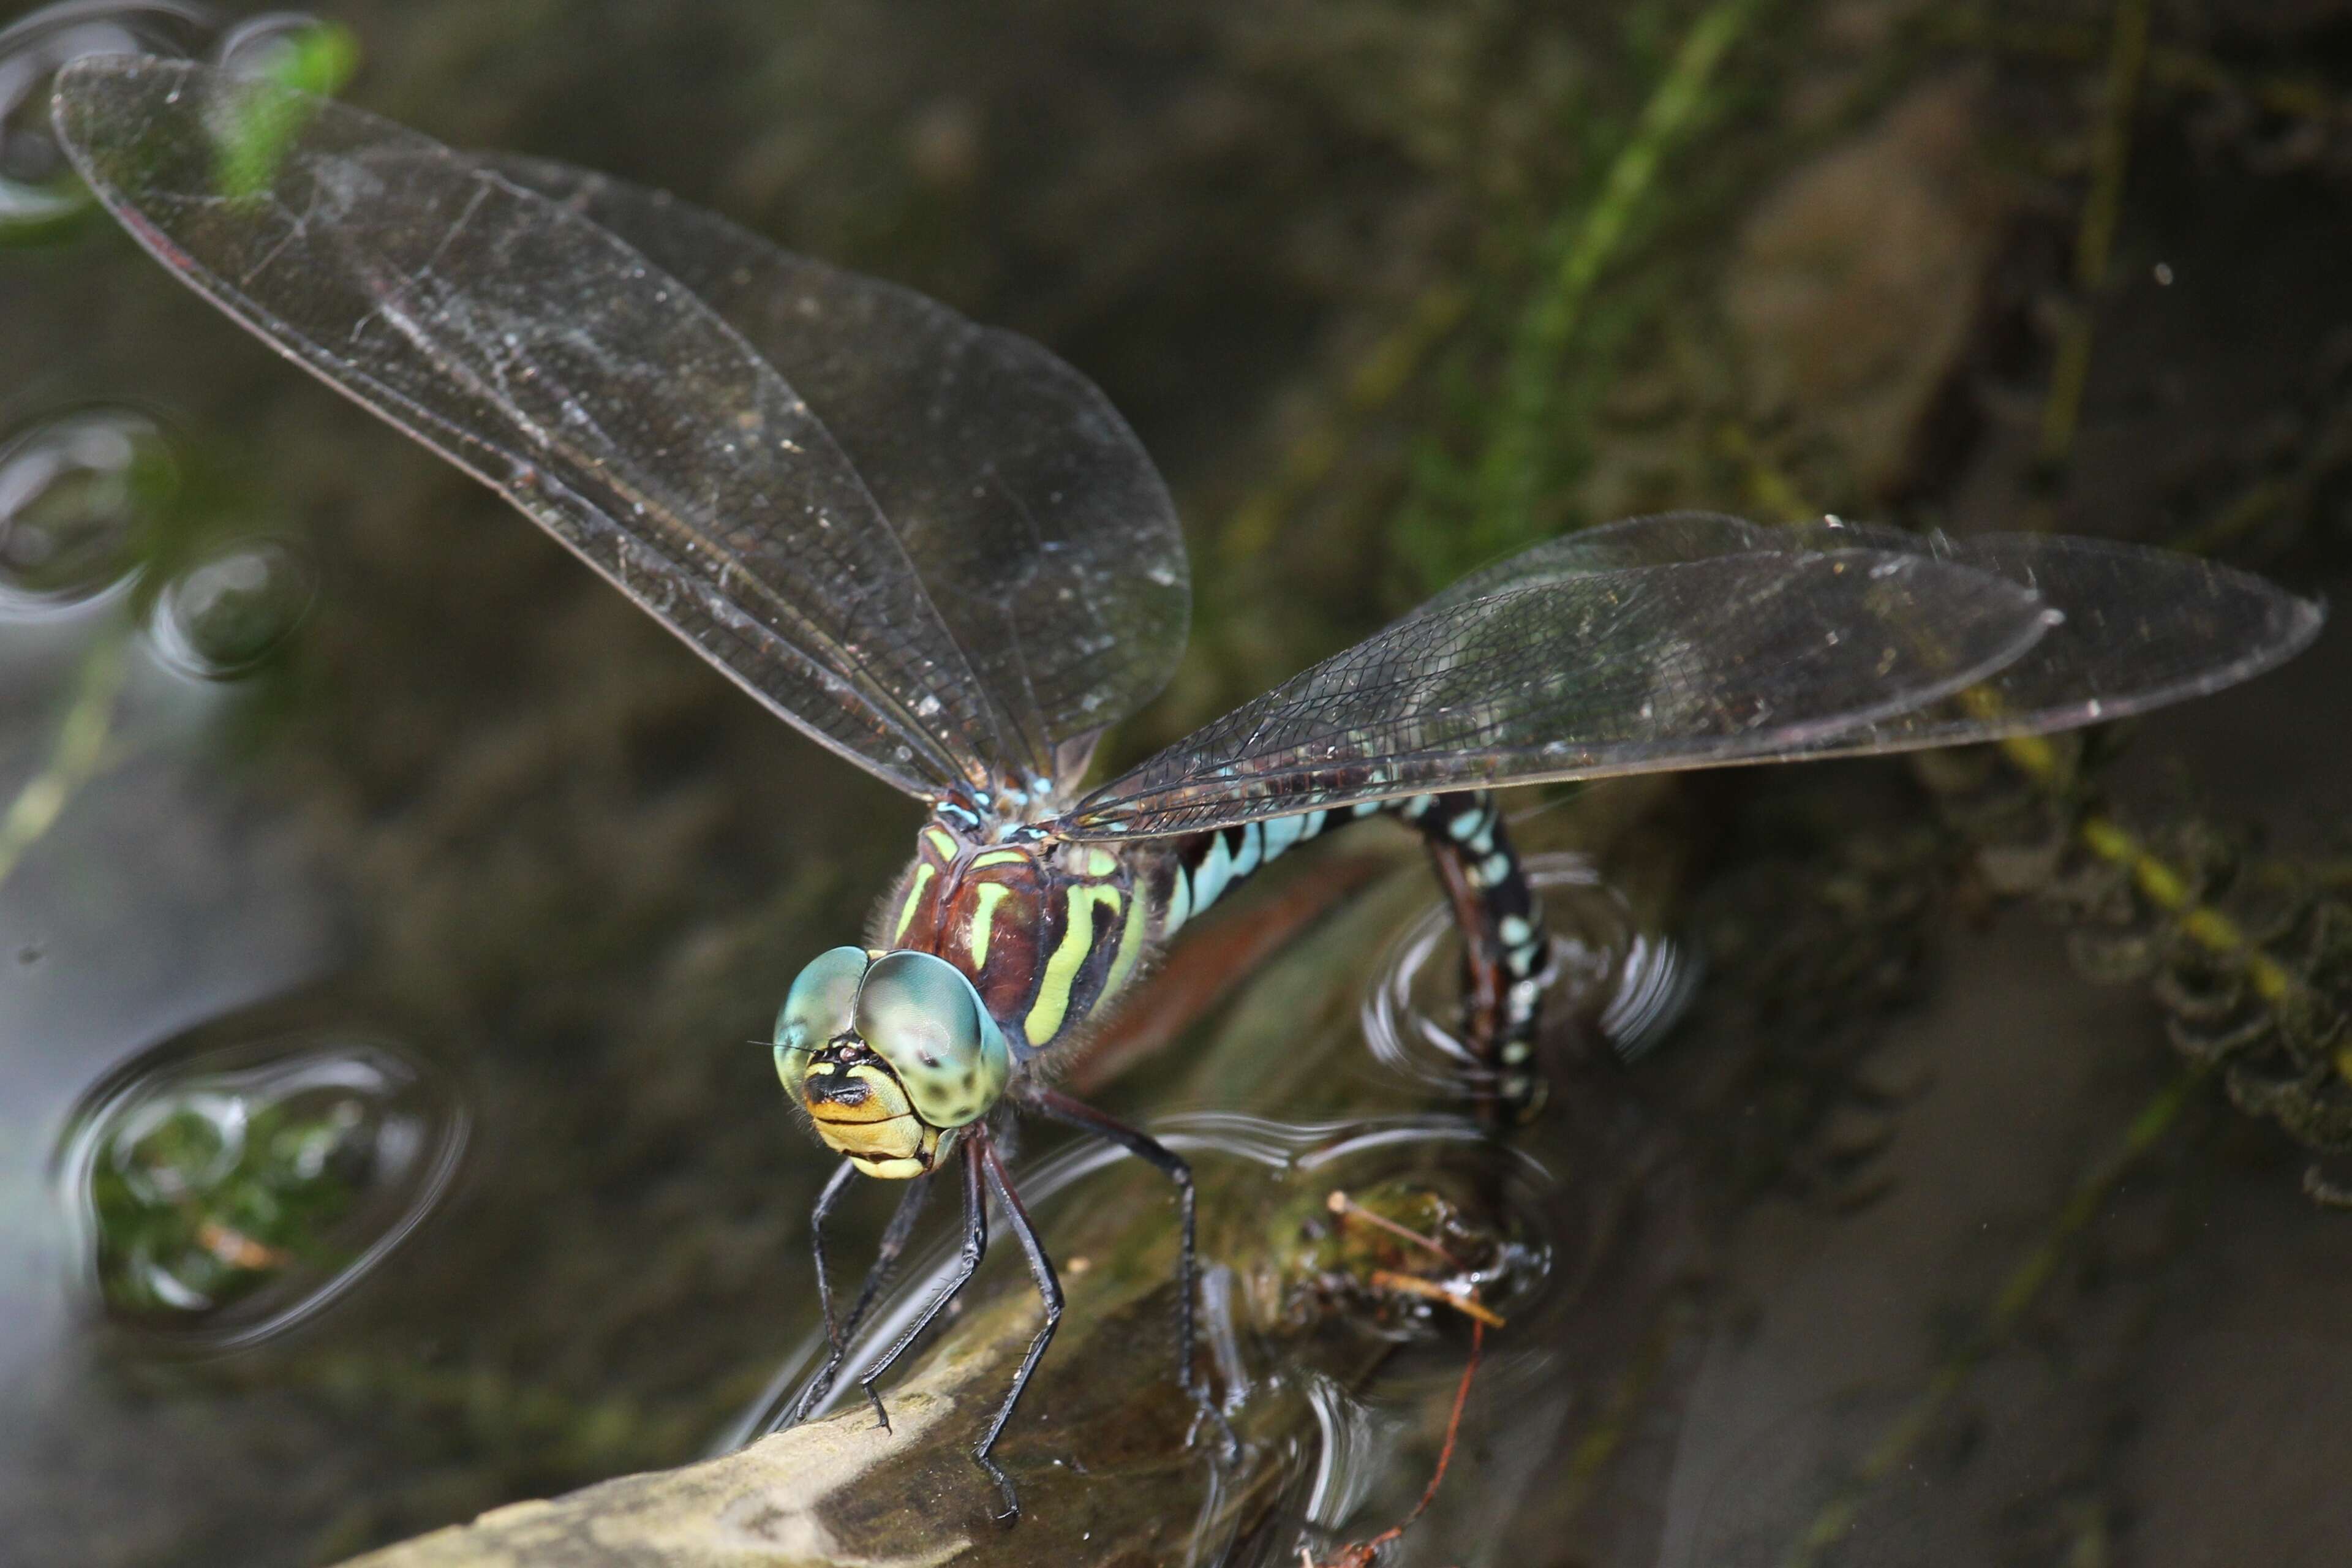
(889, 1053)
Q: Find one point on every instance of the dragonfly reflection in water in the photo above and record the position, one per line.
(936, 549)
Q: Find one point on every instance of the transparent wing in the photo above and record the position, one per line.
(553, 360)
(1691, 640)
(2143, 628)
(1047, 541)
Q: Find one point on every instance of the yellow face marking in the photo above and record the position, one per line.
(882, 1127)
(923, 878)
(887, 1101)
(999, 858)
(901, 1168)
(1131, 949)
(990, 894)
(1053, 1004)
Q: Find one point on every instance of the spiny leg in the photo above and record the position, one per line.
(975, 1245)
(885, 1262)
(1076, 1113)
(1505, 952)
(1041, 1269)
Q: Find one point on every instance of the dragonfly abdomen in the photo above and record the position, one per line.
(1506, 950)
(1205, 866)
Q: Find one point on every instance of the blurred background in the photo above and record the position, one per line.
(386, 904)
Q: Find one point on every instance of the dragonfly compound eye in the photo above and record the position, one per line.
(919, 1015)
(817, 1009)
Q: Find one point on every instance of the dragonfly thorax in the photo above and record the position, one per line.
(1048, 931)
(889, 1053)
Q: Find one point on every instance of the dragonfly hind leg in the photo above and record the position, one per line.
(1076, 1113)
(1505, 952)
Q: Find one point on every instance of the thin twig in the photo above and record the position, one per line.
(1461, 1301)
(1347, 1208)
(1362, 1554)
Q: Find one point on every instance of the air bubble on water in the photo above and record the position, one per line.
(38, 188)
(262, 46)
(221, 1194)
(80, 493)
(230, 611)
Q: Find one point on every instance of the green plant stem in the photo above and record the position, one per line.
(2027, 1278)
(1508, 476)
(2096, 235)
(75, 757)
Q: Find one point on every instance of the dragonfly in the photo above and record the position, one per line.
(938, 551)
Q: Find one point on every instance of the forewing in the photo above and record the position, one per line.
(1044, 533)
(1724, 658)
(557, 363)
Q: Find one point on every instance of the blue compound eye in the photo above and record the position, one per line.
(819, 1004)
(919, 1015)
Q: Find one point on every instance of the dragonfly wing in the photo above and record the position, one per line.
(1697, 641)
(554, 361)
(1046, 539)
(2143, 628)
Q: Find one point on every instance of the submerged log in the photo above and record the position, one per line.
(1113, 1462)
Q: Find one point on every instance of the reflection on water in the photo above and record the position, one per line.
(1632, 983)
(227, 1191)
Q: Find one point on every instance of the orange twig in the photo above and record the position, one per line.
(1362, 1553)
(1346, 1207)
(1469, 1306)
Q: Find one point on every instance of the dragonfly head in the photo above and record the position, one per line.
(888, 1053)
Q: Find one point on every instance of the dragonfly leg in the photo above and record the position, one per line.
(886, 1263)
(975, 1244)
(1506, 954)
(1041, 1269)
(1076, 1113)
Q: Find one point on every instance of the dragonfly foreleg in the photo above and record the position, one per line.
(1506, 953)
(975, 1246)
(1041, 1269)
(885, 1262)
